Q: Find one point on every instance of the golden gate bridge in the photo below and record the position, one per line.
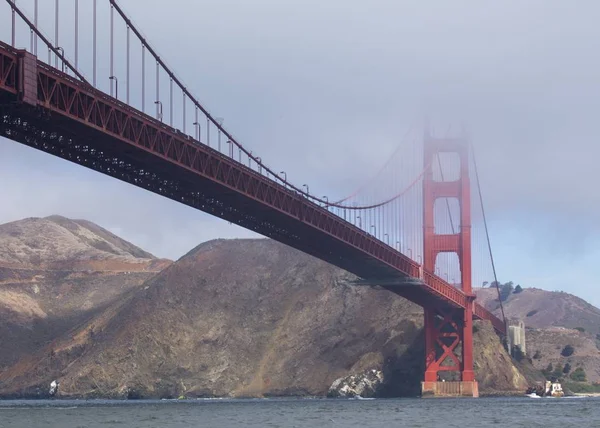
(416, 227)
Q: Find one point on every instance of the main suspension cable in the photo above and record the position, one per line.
(488, 235)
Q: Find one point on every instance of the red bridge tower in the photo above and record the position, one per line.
(448, 331)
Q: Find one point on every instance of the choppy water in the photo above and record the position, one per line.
(315, 413)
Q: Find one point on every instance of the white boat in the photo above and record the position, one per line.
(532, 395)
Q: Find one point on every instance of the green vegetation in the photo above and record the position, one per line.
(581, 329)
(518, 289)
(579, 375)
(558, 371)
(531, 313)
(505, 291)
(583, 387)
(567, 351)
(567, 368)
(547, 372)
(518, 353)
(537, 355)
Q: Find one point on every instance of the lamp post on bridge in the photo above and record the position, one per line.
(387, 238)
(58, 48)
(306, 185)
(198, 128)
(284, 177)
(219, 121)
(374, 230)
(116, 86)
(398, 245)
(359, 222)
(409, 250)
(259, 161)
(159, 110)
(326, 205)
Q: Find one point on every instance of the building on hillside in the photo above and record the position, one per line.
(516, 336)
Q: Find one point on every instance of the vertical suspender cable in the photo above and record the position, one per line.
(35, 21)
(158, 107)
(171, 101)
(14, 23)
(112, 45)
(94, 52)
(77, 34)
(56, 32)
(144, 79)
(208, 131)
(127, 73)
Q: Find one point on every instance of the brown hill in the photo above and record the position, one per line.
(245, 318)
(554, 320)
(57, 273)
(541, 308)
(58, 243)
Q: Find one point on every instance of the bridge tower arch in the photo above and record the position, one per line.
(448, 331)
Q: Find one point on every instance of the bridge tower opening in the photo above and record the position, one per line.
(448, 330)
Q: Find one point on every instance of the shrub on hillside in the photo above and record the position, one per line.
(581, 329)
(567, 368)
(579, 375)
(518, 289)
(531, 313)
(567, 351)
(537, 355)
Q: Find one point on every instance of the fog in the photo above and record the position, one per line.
(325, 91)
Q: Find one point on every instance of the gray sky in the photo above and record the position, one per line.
(326, 89)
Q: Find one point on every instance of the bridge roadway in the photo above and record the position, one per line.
(49, 110)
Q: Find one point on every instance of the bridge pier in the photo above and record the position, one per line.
(449, 389)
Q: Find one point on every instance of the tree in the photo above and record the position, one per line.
(581, 329)
(484, 284)
(518, 289)
(548, 370)
(567, 351)
(567, 368)
(518, 353)
(558, 371)
(579, 375)
(537, 355)
(505, 291)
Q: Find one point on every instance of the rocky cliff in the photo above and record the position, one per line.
(246, 318)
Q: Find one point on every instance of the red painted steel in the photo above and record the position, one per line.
(440, 324)
(79, 123)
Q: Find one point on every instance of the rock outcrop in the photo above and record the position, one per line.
(366, 385)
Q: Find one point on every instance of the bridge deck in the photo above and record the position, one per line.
(53, 112)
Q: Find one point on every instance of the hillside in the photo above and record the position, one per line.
(541, 308)
(57, 273)
(246, 318)
(58, 243)
(554, 320)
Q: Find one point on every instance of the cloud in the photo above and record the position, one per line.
(325, 91)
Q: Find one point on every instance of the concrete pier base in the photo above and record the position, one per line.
(450, 389)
